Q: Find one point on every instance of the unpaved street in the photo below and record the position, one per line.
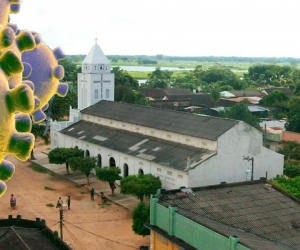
(88, 224)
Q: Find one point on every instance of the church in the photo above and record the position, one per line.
(183, 149)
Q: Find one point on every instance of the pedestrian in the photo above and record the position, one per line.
(59, 203)
(69, 201)
(92, 193)
(103, 197)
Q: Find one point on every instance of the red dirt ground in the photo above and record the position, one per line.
(88, 224)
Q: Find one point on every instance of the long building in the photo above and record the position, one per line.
(182, 149)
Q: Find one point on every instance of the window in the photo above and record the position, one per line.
(169, 173)
(187, 140)
(96, 94)
(107, 93)
(204, 143)
(169, 136)
(180, 176)
(159, 170)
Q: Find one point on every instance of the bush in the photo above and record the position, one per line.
(292, 168)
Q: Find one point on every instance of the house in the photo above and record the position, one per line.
(18, 233)
(287, 91)
(183, 149)
(247, 215)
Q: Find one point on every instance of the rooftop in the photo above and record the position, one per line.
(261, 215)
(141, 146)
(206, 127)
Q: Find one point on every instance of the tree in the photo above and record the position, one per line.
(61, 105)
(241, 112)
(38, 131)
(291, 150)
(83, 164)
(214, 93)
(139, 216)
(293, 123)
(159, 79)
(62, 155)
(141, 185)
(109, 174)
(276, 98)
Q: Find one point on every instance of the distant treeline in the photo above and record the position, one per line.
(144, 59)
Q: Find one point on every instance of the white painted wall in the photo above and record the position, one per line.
(229, 166)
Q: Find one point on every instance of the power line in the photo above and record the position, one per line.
(101, 236)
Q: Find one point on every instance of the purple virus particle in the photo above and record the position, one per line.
(43, 70)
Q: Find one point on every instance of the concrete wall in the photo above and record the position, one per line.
(187, 230)
(229, 165)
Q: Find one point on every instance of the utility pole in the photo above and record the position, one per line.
(61, 217)
(252, 165)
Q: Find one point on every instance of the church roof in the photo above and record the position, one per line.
(95, 56)
(206, 127)
(163, 152)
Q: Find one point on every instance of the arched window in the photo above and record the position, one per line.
(107, 93)
(96, 94)
(112, 162)
(141, 171)
(99, 160)
(87, 153)
(125, 170)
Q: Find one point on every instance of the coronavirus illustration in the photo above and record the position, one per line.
(13, 101)
(29, 77)
(43, 70)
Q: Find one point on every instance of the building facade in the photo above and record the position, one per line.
(183, 149)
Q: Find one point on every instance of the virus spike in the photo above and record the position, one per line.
(58, 72)
(62, 89)
(25, 41)
(23, 123)
(9, 59)
(38, 116)
(3, 188)
(20, 99)
(20, 144)
(58, 53)
(7, 37)
(7, 169)
(15, 8)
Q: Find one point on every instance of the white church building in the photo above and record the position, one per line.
(183, 149)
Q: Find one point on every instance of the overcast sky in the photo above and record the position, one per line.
(251, 28)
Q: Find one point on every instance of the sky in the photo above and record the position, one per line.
(247, 28)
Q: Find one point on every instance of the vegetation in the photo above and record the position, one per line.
(140, 186)
(84, 165)
(62, 156)
(291, 186)
(110, 175)
(241, 112)
(140, 215)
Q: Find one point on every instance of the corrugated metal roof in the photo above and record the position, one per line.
(207, 127)
(171, 154)
(261, 216)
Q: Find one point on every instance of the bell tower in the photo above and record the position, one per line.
(95, 82)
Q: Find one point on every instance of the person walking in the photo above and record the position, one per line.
(59, 203)
(68, 201)
(92, 194)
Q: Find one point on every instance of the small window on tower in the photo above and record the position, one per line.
(96, 94)
(107, 93)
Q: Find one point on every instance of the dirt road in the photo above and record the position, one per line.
(88, 224)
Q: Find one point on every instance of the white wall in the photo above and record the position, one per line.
(229, 166)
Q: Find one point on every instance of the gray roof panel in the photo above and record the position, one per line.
(206, 127)
(160, 151)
